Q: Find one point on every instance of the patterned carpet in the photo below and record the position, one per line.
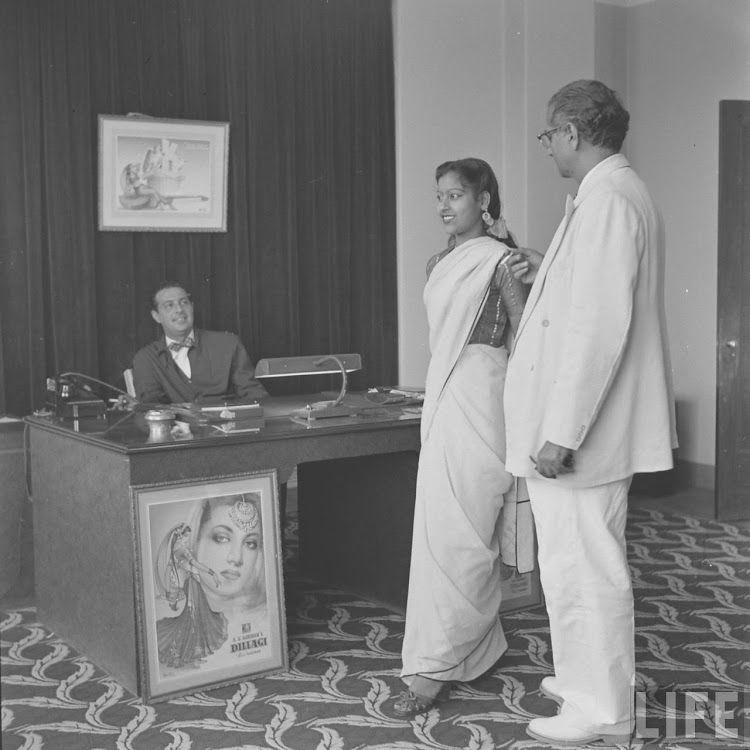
(692, 587)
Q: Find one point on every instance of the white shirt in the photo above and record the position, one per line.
(181, 355)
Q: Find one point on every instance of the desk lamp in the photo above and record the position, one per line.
(327, 364)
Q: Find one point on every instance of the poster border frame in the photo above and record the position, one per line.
(145, 649)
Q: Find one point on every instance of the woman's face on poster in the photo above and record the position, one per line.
(234, 555)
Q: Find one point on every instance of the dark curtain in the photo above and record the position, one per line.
(308, 264)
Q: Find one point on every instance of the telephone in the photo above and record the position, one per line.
(69, 398)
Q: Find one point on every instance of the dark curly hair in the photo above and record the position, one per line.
(594, 109)
(167, 284)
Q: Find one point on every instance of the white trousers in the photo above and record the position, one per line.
(584, 572)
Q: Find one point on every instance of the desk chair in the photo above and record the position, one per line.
(129, 383)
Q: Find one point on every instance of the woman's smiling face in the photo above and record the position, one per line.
(459, 209)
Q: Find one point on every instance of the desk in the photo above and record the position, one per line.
(13, 504)
(83, 525)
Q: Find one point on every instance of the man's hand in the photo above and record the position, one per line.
(554, 459)
(524, 264)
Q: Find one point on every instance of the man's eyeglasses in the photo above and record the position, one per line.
(174, 304)
(545, 137)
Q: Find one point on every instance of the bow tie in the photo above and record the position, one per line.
(175, 346)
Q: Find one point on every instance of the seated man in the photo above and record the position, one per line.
(188, 364)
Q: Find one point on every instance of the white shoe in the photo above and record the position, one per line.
(560, 730)
(549, 689)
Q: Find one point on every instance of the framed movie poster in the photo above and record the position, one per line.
(209, 585)
(162, 174)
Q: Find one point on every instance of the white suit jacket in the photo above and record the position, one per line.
(590, 367)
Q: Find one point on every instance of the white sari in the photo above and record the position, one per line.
(453, 630)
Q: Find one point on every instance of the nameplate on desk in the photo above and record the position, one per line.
(243, 425)
(229, 411)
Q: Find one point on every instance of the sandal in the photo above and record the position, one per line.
(410, 704)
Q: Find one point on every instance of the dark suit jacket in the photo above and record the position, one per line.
(219, 367)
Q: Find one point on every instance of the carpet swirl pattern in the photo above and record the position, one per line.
(692, 588)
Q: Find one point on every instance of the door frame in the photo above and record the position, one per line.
(733, 236)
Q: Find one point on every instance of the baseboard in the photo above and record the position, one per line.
(694, 475)
(686, 475)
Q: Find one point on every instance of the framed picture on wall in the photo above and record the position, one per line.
(162, 175)
(209, 585)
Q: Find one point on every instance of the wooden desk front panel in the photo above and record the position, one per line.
(14, 506)
(83, 550)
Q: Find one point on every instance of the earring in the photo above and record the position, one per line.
(487, 219)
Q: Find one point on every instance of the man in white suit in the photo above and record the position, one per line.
(588, 403)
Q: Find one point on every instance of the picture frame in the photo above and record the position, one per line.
(162, 175)
(209, 583)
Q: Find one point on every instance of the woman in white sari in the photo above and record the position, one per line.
(453, 631)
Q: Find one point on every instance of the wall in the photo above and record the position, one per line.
(673, 94)
(611, 47)
(671, 60)
(473, 78)
(548, 44)
(448, 59)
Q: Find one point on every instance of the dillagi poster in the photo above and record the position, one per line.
(209, 583)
